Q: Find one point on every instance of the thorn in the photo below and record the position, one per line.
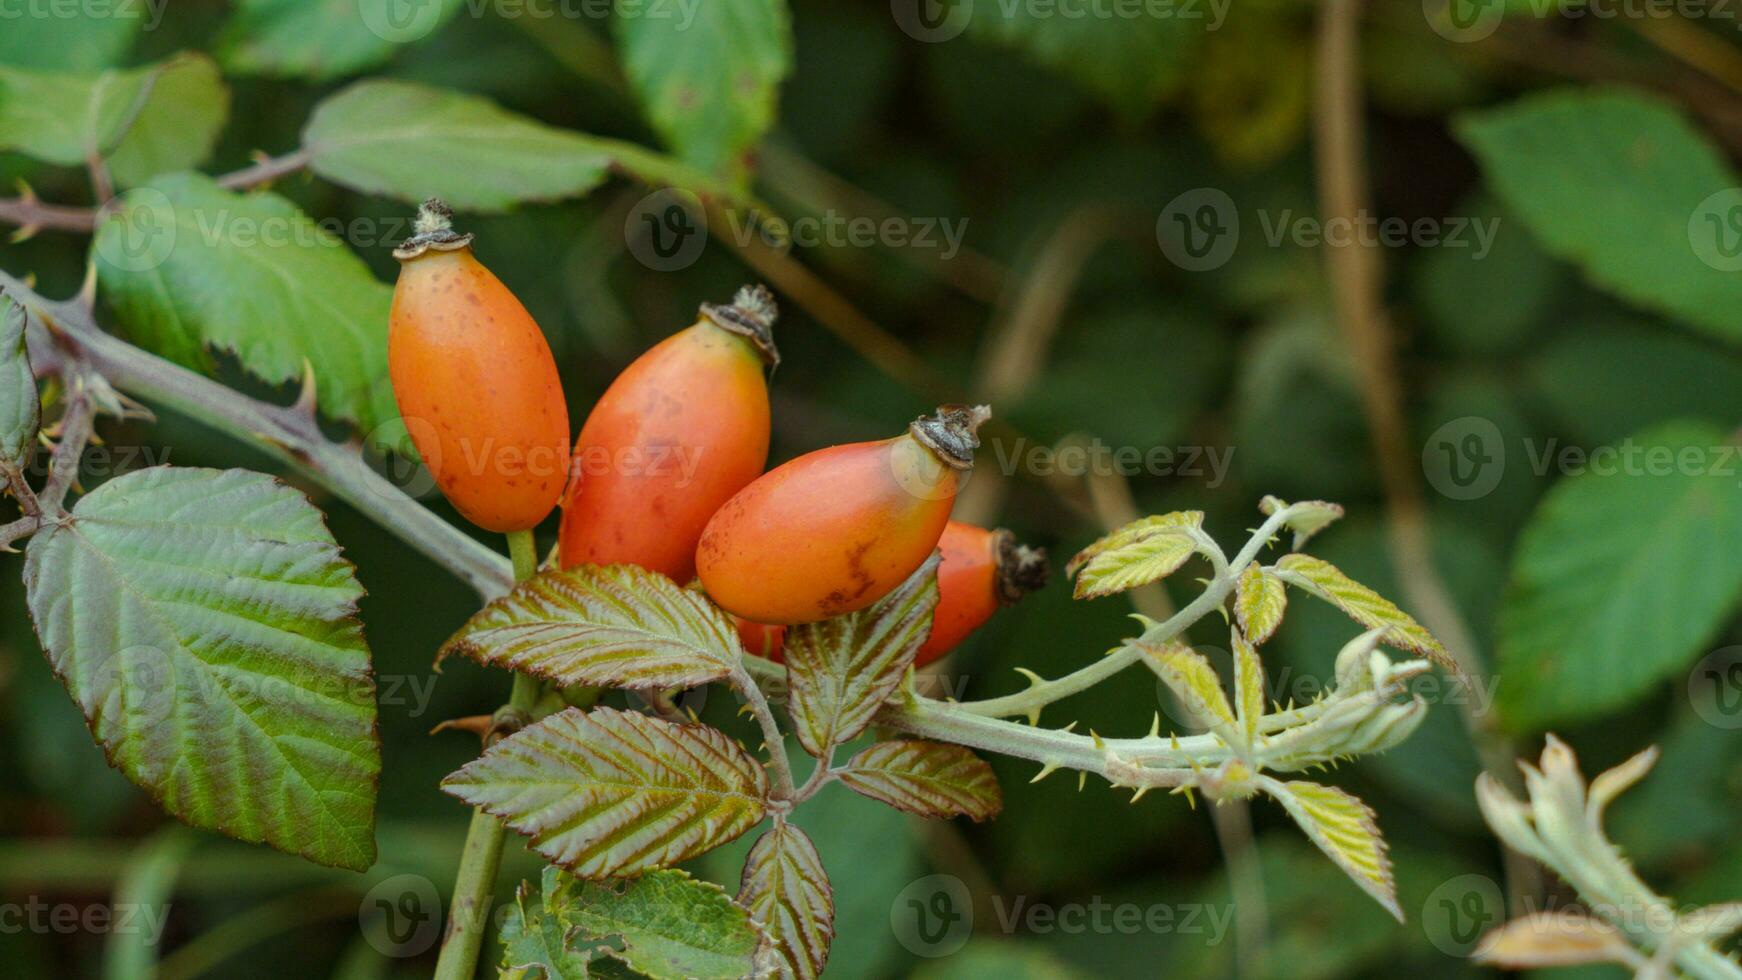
(1099, 744)
(478, 725)
(1224, 611)
(1139, 794)
(1068, 728)
(1034, 717)
(1155, 726)
(24, 234)
(1191, 798)
(305, 399)
(87, 296)
(1034, 679)
(1174, 738)
(745, 709)
(1046, 770)
(1082, 779)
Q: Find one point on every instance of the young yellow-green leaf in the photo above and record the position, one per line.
(931, 779)
(616, 626)
(179, 124)
(1191, 678)
(534, 937)
(20, 405)
(190, 266)
(839, 671)
(1137, 554)
(616, 793)
(1345, 829)
(787, 892)
(205, 623)
(324, 41)
(708, 78)
(1260, 599)
(1309, 517)
(1624, 185)
(661, 924)
(1622, 579)
(1248, 685)
(1361, 604)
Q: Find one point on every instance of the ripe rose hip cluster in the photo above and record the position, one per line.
(826, 534)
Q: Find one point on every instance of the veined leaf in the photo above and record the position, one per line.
(179, 124)
(614, 793)
(931, 779)
(1621, 579)
(204, 622)
(323, 41)
(1248, 685)
(709, 82)
(1259, 602)
(1541, 940)
(1191, 678)
(1137, 554)
(787, 891)
(191, 266)
(20, 405)
(618, 626)
(1345, 829)
(839, 671)
(1309, 517)
(534, 936)
(661, 924)
(1361, 604)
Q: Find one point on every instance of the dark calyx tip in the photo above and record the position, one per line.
(750, 315)
(953, 433)
(1021, 569)
(433, 229)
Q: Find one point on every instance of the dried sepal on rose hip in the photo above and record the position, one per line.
(680, 431)
(981, 572)
(475, 381)
(833, 531)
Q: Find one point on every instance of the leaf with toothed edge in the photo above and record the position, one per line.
(841, 670)
(614, 793)
(785, 888)
(931, 779)
(1309, 516)
(1137, 554)
(615, 626)
(1345, 829)
(1361, 604)
(1191, 678)
(205, 623)
(20, 405)
(534, 937)
(1248, 685)
(1260, 600)
(661, 924)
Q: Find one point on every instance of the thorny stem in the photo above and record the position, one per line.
(75, 434)
(746, 686)
(31, 214)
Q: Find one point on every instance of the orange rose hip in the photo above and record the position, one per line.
(833, 531)
(678, 433)
(475, 381)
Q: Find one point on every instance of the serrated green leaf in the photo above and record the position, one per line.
(204, 621)
(839, 671)
(608, 793)
(1345, 829)
(1248, 685)
(709, 81)
(179, 124)
(617, 626)
(1309, 516)
(1361, 604)
(1137, 554)
(324, 41)
(931, 779)
(1191, 678)
(189, 266)
(535, 938)
(1259, 602)
(20, 405)
(663, 924)
(786, 890)
(1617, 182)
(1621, 579)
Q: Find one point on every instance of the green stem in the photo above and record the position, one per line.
(475, 884)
